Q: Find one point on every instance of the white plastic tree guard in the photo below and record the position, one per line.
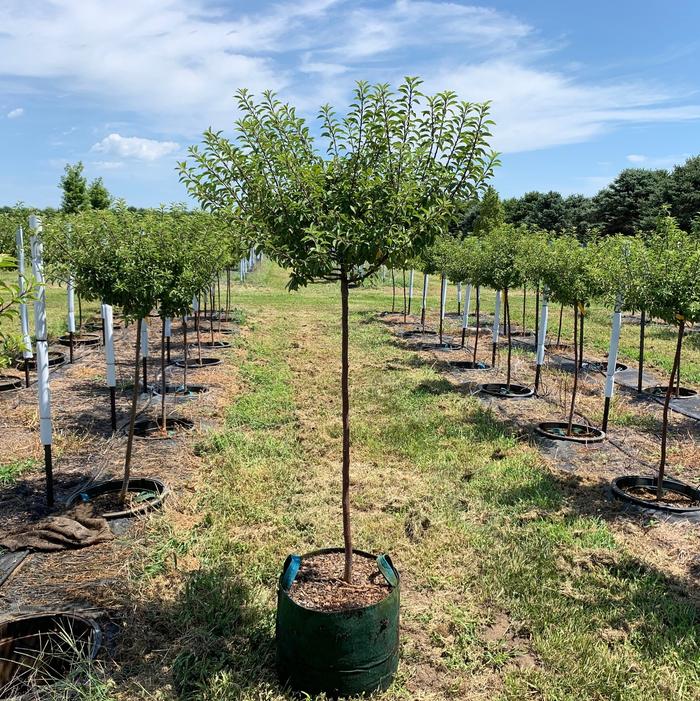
(144, 352)
(465, 312)
(542, 335)
(425, 299)
(42, 353)
(443, 300)
(612, 359)
(410, 289)
(108, 328)
(459, 297)
(23, 311)
(496, 328)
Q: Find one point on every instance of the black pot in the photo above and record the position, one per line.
(660, 391)
(194, 364)
(620, 484)
(150, 429)
(42, 649)
(86, 339)
(557, 431)
(216, 344)
(469, 365)
(10, 383)
(56, 358)
(340, 653)
(137, 484)
(502, 391)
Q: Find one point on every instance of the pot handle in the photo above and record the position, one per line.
(289, 571)
(386, 567)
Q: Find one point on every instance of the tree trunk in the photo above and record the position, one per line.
(478, 322)
(345, 393)
(642, 333)
(575, 387)
(506, 310)
(561, 316)
(132, 415)
(667, 401)
(184, 337)
(199, 336)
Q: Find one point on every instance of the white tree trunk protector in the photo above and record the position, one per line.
(144, 338)
(195, 304)
(614, 346)
(21, 284)
(444, 295)
(544, 319)
(459, 293)
(497, 317)
(240, 270)
(71, 304)
(107, 320)
(425, 291)
(467, 305)
(410, 285)
(42, 346)
(168, 325)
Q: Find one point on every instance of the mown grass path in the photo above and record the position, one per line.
(508, 591)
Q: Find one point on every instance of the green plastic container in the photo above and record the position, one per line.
(341, 653)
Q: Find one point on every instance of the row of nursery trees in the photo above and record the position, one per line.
(158, 263)
(656, 274)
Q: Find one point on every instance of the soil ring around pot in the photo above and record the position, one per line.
(86, 339)
(144, 494)
(418, 332)
(558, 430)
(150, 429)
(602, 366)
(41, 649)
(216, 344)
(660, 391)
(679, 498)
(502, 391)
(468, 365)
(10, 383)
(444, 346)
(56, 359)
(178, 393)
(195, 364)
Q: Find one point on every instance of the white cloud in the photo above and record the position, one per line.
(134, 147)
(176, 64)
(641, 160)
(108, 165)
(15, 113)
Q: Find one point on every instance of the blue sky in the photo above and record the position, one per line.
(580, 90)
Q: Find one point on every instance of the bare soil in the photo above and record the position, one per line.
(320, 586)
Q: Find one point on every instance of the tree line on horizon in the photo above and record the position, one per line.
(629, 204)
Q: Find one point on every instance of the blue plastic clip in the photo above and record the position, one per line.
(289, 572)
(386, 567)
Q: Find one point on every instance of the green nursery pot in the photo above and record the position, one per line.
(341, 653)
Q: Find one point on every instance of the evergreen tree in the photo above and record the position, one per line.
(99, 195)
(74, 186)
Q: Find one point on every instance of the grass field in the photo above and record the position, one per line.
(510, 591)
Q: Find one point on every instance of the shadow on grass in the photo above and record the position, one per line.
(214, 637)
